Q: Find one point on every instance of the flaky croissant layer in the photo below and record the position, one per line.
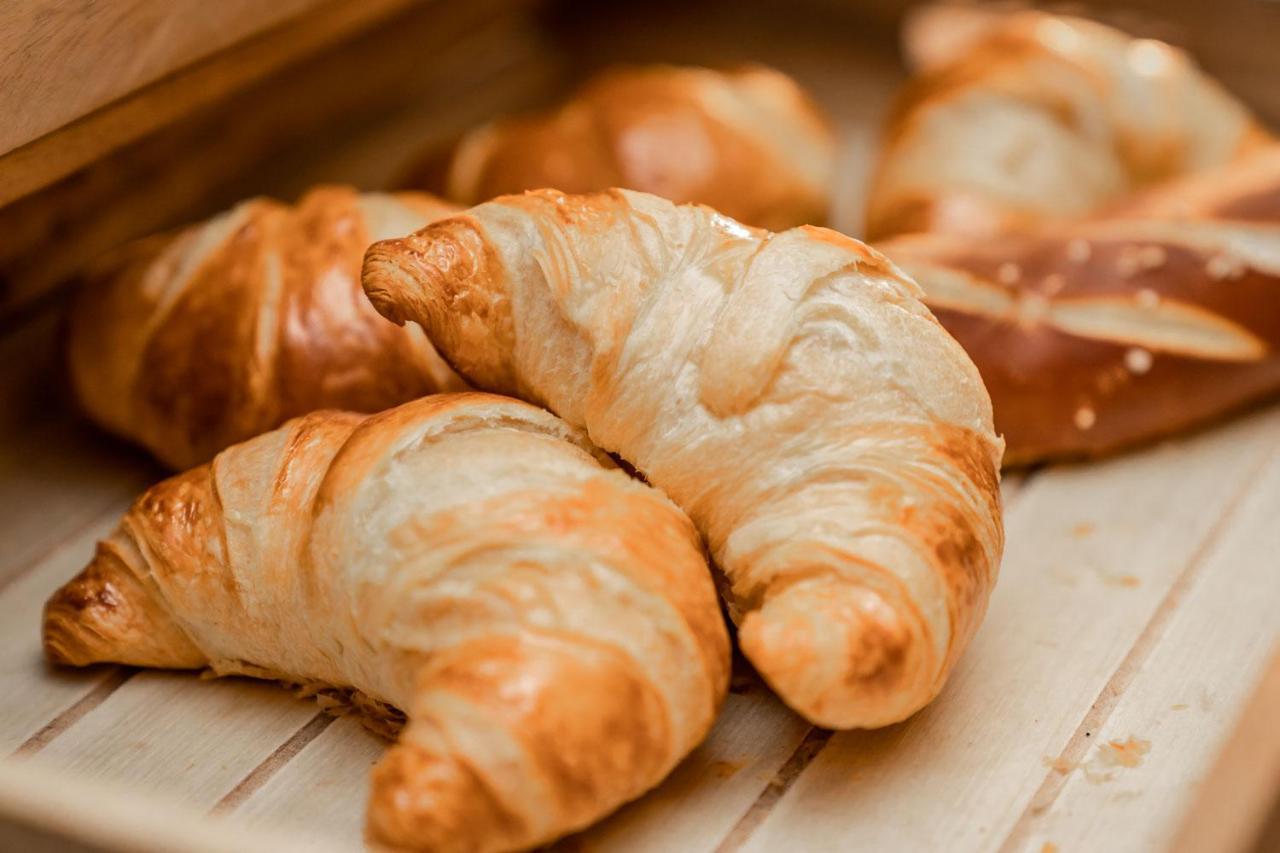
(191, 341)
(548, 625)
(789, 391)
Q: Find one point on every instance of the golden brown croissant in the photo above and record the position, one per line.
(1042, 117)
(789, 391)
(190, 341)
(748, 142)
(548, 626)
(1095, 332)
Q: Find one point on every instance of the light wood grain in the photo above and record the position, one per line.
(1230, 808)
(323, 790)
(60, 60)
(43, 810)
(46, 158)
(174, 734)
(1183, 701)
(57, 473)
(1063, 618)
(32, 693)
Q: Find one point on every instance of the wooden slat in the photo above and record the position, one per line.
(433, 69)
(60, 61)
(1092, 553)
(43, 810)
(175, 734)
(323, 790)
(1243, 784)
(57, 473)
(1181, 703)
(33, 694)
(45, 159)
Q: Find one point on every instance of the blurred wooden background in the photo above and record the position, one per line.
(130, 117)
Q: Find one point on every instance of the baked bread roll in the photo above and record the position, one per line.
(748, 142)
(1032, 118)
(547, 625)
(1093, 330)
(789, 391)
(1097, 335)
(190, 341)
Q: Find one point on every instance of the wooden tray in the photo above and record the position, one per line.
(1120, 666)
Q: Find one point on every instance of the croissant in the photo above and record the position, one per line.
(191, 341)
(1036, 118)
(548, 625)
(1101, 331)
(748, 142)
(789, 391)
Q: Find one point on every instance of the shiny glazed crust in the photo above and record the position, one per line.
(191, 341)
(748, 142)
(547, 625)
(1110, 255)
(789, 391)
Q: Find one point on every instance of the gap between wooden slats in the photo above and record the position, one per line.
(1178, 697)
(35, 696)
(1092, 553)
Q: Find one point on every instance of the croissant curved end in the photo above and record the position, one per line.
(105, 615)
(386, 279)
(840, 654)
(435, 800)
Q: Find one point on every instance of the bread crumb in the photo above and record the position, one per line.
(1124, 753)
(1181, 706)
(1060, 765)
(1138, 360)
(1146, 298)
(1083, 529)
(1126, 581)
(726, 769)
(1049, 847)
(1085, 418)
(1008, 273)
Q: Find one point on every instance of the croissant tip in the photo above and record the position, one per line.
(792, 639)
(69, 615)
(102, 615)
(425, 800)
(382, 276)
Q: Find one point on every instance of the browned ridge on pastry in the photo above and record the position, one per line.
(748, 142)
(789, 391)
(1103, 232)
(190, 341)
(548, 626)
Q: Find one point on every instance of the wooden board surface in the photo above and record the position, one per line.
(1136, 605)
(75, 76)
(61, 60)
(230, 123)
